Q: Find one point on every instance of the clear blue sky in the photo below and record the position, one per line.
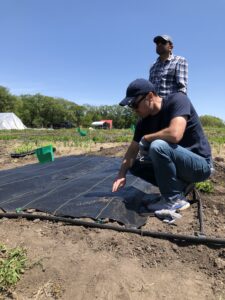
(88, 51)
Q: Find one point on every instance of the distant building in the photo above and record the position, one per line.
(103, 124)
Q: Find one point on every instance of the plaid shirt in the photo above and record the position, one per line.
(170, 76)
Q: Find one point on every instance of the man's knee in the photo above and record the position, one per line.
(158, 145)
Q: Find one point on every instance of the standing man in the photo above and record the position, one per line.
(169, 73)
(170, 134)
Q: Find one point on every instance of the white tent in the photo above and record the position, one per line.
(10, 121)
(100, 124)
(97, 123)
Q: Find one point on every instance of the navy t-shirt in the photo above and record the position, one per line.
(176, 105)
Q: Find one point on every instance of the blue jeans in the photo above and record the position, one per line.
(171, 168)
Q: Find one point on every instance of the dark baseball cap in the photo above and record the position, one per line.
(136, 88)
(164, 37)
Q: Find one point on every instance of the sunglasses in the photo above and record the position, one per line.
(135, 104)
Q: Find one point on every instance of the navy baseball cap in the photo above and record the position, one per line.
(164, 37)
(136, 88)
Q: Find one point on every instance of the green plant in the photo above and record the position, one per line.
(25, 148)
(12, 264)
(212, 121)
(205, 186)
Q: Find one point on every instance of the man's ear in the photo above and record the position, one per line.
(149, 96)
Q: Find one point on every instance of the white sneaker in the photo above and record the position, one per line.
(180, 203)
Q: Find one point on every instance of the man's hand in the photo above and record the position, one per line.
(144, 147)
(118, 183)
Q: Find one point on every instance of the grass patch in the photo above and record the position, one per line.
(70, 137)
(26, 147)
(31, 139)
(205, 186)
(12, 265)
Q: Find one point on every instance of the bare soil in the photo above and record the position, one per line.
(72, 262)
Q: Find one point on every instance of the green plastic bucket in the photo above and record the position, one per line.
(45, 154)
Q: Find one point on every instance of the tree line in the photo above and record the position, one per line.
(39, 111)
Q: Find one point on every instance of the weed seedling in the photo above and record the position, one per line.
(205, 186)
(12, 264)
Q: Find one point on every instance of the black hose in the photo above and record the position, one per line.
(200, 211)
(23, 154)
(162, 235)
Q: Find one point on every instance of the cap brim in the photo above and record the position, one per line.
(126, 101)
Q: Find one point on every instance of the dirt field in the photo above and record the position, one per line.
(71, 262)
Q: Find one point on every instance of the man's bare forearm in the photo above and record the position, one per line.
(171, 134)
(128, 159)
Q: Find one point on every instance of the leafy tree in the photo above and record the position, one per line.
(210, 121)
(7, 101)
(121, 117)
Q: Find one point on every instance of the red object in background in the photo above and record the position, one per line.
(109, 122)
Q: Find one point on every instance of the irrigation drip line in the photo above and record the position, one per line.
(197, 198)
(161, 235)
(23, 154)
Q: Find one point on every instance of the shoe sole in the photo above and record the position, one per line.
(184, 207)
